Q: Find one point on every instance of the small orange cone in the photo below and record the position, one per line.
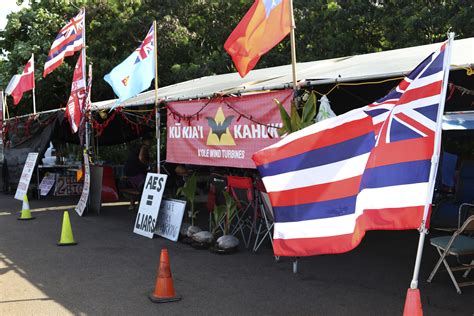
(164, 289)
(413, 303)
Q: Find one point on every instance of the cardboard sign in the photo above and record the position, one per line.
(170, 218)
(67, 185)
(25, 178)
(81, 205)
(47, 183)
(150, 204)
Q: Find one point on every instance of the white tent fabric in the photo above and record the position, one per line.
(458, 120)
(385, 64)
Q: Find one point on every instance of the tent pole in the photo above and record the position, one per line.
(434, 163)
(157, 106)
(293, 47)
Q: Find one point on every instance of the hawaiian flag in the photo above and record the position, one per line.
(75, 104)
(69, 40)
(146, 47)
(364, 170)
(263, 26)
(22, 83)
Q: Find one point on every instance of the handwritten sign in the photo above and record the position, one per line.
(170, 218)
(25, 178)
(150, 204)
(47, 183)
(81, 205)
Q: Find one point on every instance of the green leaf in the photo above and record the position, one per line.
(285, 118)
(309, 109)
(295, 118)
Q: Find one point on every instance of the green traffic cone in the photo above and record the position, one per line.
(25, 212)
(66, 234)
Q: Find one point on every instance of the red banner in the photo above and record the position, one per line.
(224, 131)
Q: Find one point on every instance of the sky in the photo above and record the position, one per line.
(6, 7)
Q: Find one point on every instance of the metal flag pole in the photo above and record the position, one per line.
(34, 95)
(293, 47)
(434, 162)
(157, 106)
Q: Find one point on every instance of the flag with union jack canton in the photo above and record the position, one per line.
(69, 40)
(146, 47)
(367, 169)
(135, 73)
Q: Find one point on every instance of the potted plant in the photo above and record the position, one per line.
(294, 122)
(223, 216)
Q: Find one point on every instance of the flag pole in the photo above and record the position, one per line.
(434, 162)
(34, 95)
(157, 106)
(5, 105)
(85, 111)
(293, 47)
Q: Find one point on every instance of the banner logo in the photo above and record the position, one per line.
(219, 133)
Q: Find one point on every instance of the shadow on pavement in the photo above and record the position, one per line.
(112, 271)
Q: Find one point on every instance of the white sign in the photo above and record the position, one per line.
(150, 204)
(24, 183)
(170, 218)
(47, 183)
(81, 205)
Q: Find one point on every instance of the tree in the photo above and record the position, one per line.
(191, 36)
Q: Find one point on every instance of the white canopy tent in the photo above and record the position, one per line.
(385, 64)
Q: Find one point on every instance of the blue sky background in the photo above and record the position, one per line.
(6, 7)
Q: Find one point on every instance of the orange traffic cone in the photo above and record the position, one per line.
(413, 303)
(164, 289)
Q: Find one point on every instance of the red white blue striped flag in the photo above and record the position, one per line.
(69, 40)
(367, 169)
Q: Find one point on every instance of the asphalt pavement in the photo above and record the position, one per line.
(112, 271)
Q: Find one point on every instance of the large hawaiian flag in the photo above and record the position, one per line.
(364, 170)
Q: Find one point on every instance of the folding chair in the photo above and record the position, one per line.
(217, 185)
(264, 216)
(241, 189)
(456, 245)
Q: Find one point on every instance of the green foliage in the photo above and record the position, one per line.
(191, 36)
(228, 211)
(294, 122)
(188, 190)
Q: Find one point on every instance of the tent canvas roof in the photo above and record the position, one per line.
(352, 68)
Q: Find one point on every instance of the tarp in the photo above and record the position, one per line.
(25, 136)
(385, 64)
(458, 120)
